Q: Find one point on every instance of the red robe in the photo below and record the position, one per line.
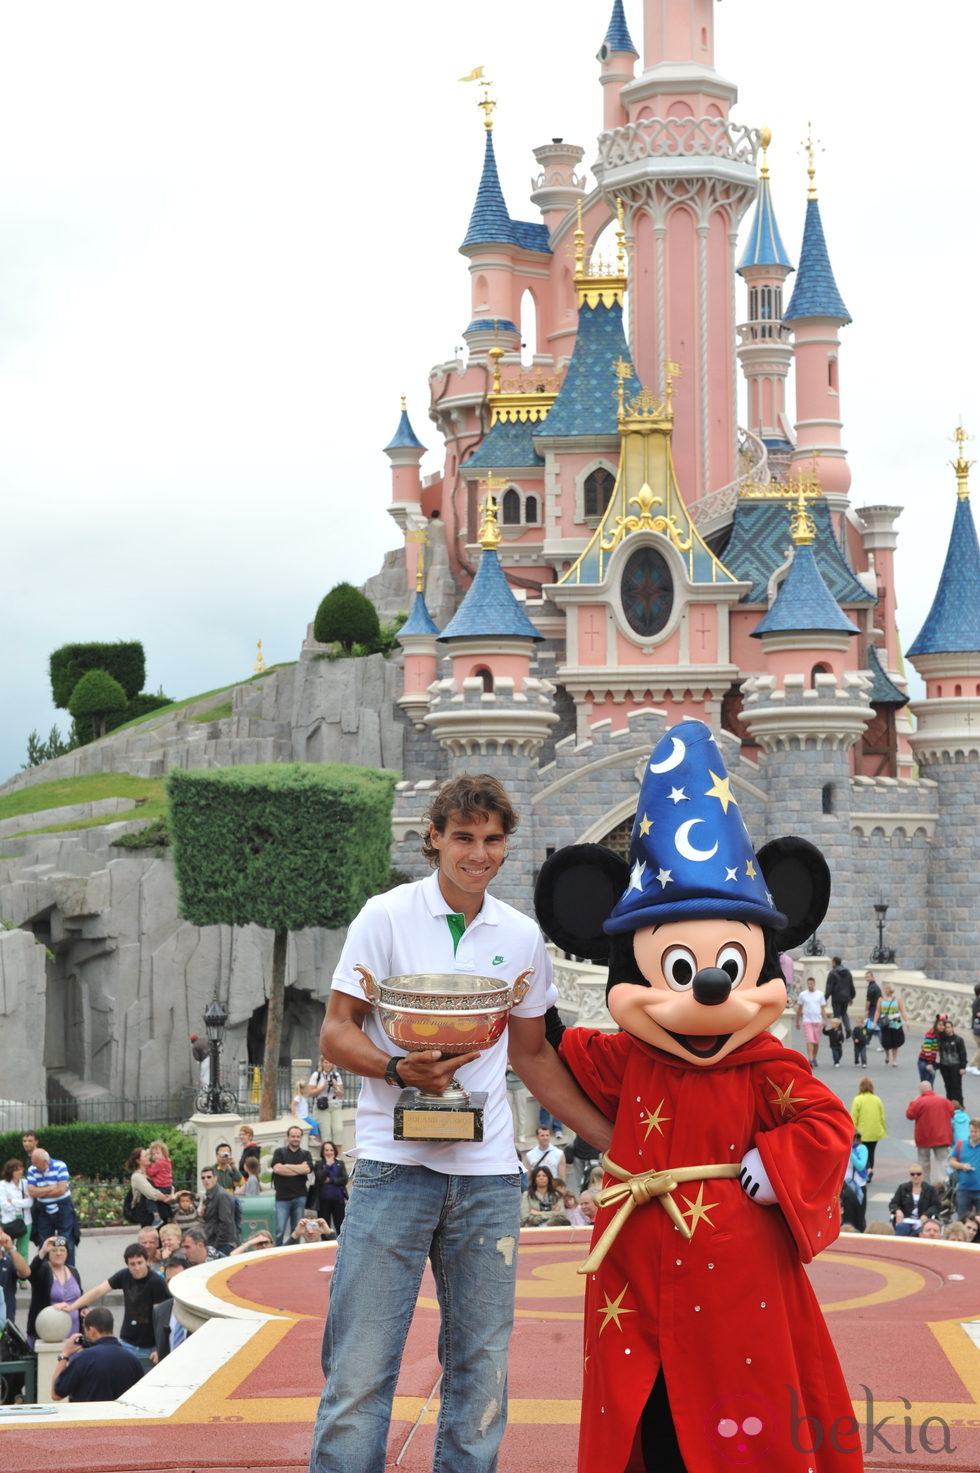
(730, 1314)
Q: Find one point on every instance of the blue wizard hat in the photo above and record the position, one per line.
(690, 853)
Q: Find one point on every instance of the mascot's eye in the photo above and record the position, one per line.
(679, 966)
(731, 959)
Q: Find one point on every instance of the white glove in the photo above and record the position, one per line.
(755, 1180)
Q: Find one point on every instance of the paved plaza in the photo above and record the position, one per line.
(242, 1392)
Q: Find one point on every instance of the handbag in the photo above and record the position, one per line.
(16, 1228)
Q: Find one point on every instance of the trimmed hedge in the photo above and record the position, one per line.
(284, 845)
(100, 1151)
(125, 662)
(96, 695)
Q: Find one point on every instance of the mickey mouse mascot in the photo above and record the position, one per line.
(704, 1343)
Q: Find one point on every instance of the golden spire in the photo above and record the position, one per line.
(595, 281)
(489, 530)
(620, 238)
(259, 666)
(419, 536)
(802, 528)
(487, 103)
(579, 241)
(765, 138)
(811, 145)
(404, 402)
(961, 465)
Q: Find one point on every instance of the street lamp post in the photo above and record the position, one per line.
(882, 954)
(216, 1100)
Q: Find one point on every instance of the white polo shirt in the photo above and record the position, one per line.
(404, 931)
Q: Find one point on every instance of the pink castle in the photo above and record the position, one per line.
(615, 542)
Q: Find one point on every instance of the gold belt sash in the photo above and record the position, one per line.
(633, 1190)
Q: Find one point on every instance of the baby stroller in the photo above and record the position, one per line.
(947, 1199)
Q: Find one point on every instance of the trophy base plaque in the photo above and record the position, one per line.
(455, 1116)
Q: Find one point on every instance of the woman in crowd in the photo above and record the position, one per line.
(891, 1019)
(145, 1195)
(52, 1282)
(328, 1195)
(868, 1114)
(15, 1205)
(952, 1058)
(541, 1204)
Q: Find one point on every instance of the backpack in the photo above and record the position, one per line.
(136, 1209)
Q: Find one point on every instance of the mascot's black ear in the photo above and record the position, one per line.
(576, 890)
(799, 882)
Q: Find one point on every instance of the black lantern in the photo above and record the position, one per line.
(882, 954)
(214, 1100)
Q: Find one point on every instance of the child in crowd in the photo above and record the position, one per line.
(250, 1184)
(161, 1173)
(185, 1212)
(834, 1033)
(859, 1038)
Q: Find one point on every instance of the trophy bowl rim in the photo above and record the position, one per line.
(478, 983)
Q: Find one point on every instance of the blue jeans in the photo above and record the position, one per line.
(397, 1217)
(966, 1198)
(288, 1214)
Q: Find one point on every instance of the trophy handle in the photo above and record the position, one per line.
(371, 989)
(519, 989)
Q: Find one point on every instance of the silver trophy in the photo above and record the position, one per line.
(455, 1013)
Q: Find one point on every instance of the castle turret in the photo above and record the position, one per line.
(417, 637)
(405, 451)
(764, 350)
(947, 742)
(617, 58)
(816, 313)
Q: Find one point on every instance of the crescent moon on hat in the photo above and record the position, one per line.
(683, 845)
(678, 753)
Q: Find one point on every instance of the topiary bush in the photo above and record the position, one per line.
(124, 660)
(96, 695)
(347, 618)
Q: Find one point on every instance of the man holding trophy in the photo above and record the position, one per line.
(437, 983)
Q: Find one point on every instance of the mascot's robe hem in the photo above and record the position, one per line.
(730, 1314)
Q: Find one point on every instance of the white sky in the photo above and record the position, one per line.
(228, 235)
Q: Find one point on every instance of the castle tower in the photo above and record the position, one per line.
(687, 174)
(617, 57)
(417, 637)
(764, 349)
(947, 742)
(405, 450)
(816, 313)
(492, 714)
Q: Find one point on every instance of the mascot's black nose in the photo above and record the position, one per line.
(711, 985)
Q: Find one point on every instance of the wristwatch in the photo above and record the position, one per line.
(392, 1075)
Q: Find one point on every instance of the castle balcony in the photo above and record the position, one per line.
(767, 331)
(678, 147)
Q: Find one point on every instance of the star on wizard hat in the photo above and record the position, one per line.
(691, 857)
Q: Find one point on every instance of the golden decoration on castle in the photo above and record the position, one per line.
(420, 537)
(961, 465)
(526, 396)
(811, 145)
(765, 138)
(259, 666)
(489, 536)
(646, 522)
(597, 281)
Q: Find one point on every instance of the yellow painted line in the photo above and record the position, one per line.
(899, 1283)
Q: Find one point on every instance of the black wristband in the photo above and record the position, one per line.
(392, 1075)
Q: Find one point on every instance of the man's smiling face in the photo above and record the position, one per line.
(471, 850)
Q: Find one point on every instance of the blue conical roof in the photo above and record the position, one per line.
(490, 609)
(757, 547)
(804, 602)
(953, 623)
(815, 293)
(586, 403)
(490, 222)
(617, 36)
(765, 246)
(404, 437)
(419, 620)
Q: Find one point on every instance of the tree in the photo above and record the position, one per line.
(346, 617)
(285, 846)
(96, 695)
(39, 751)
